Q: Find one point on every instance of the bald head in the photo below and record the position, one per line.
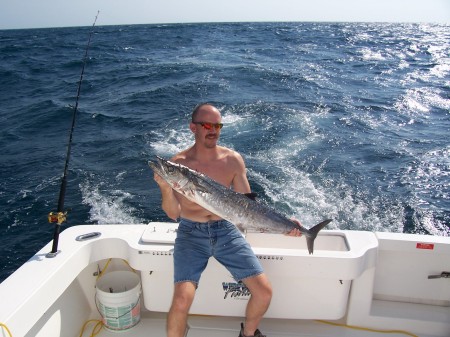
(202, 110)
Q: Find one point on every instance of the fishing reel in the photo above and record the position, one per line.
(57, 217)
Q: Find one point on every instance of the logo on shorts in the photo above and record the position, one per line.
(235, 290)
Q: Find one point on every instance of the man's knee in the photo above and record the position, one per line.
(260, 286)
(180, 305)
(183, 297)
(266, 292)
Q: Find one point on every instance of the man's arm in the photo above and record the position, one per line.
(169, 203)
(240, 182)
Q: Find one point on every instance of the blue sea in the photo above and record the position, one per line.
(348, 121)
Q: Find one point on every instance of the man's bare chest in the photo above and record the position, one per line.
(218, 172)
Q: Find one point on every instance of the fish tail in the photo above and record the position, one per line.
(312, 233)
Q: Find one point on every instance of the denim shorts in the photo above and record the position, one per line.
(196, 242)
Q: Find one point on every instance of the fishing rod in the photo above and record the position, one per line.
(60, 215)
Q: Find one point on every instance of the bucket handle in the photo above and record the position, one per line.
(102, 272)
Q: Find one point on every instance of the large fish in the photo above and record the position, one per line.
(243, 212)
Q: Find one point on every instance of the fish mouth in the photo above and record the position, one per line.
(157, 166)
(161, 166)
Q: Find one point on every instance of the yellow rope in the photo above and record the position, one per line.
(104, 269)
(368, 329)
(94, 332)
(6, 328)
(126, 262)
(106, 266)
(97, 329)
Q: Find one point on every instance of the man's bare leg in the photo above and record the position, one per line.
(261, 295)
(183, 297)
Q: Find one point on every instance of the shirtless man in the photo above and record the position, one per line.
(197, 225)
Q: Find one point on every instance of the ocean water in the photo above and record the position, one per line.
(349, 121)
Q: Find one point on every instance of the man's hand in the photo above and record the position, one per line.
(160, 181)
(295, 231)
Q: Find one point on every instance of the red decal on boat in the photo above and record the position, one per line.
(421, 245)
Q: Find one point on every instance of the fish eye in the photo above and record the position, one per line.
(170, 169)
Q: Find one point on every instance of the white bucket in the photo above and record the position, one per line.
(118, 296)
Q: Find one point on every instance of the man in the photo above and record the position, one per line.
(193, 246)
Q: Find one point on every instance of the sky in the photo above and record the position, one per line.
(16, 14)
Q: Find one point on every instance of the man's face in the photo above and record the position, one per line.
(206, 126)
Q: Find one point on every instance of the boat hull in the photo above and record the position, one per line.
(373, 280)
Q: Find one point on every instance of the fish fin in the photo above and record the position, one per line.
(312, 233)
(251, 195)
(241, 227)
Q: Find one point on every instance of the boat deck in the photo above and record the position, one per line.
(153, 324)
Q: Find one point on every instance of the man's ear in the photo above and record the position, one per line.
(193, 127)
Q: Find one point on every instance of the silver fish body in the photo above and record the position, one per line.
(243, 212)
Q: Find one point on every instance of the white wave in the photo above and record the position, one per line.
(421, 100)
(440, 70)
(121, 175)
(312, 198)
(231, 118)
(403, 65)
(170, 141)
(24, 193)
(428, 221)
(371, 55)
(46, 182)
(107, 206)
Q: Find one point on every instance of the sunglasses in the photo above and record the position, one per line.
(210, 126)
